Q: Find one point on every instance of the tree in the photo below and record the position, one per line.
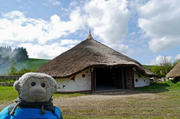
(19, 54)
(24, 70)
(12, 71)
(157, 69)
(163, 67)
(176, 62)
(165, 64)
(5, 52)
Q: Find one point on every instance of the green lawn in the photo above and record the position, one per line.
(7, 93)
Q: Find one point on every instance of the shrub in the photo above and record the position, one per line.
(161, 75)
(172, 83)
(178, 84)
(169, 81)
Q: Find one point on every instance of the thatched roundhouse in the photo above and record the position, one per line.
(90, 66)
(174, 73)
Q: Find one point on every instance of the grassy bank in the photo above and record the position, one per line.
(148, 66)
(31, 63)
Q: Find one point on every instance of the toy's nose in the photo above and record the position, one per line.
(37, 93)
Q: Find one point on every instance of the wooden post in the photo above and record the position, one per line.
(132, 73)
(122, 77)
(92, 80)
(125, 86)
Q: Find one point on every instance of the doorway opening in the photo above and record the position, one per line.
(109, 78)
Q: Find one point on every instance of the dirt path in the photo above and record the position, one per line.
(100, 103)
(103, 96)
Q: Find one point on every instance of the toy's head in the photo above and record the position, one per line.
(35, 87)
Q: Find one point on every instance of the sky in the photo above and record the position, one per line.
(145, 30)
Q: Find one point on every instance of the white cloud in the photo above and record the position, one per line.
(13, 14)
(163, 43)
(109, 19)
(68, 42)
(46, 51)
(160, 21)
(15, 26)
(78, 20)
(159, 59)
(52, 2)
(177, 57)
(124, 49)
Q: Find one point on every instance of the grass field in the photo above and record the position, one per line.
(148, 66)
(31, 63)
(158, 101)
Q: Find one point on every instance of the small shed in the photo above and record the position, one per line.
(91, 66)
(174, 73)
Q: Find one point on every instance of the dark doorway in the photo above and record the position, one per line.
(129, 80)
(109, 78)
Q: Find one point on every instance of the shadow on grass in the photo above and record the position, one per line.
(153, 88)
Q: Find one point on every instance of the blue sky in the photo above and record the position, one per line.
(145, 30)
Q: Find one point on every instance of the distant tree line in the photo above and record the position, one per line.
(13, 71)
(17, 55)
(9, 57)
(164, 67)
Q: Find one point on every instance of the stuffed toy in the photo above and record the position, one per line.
(35, 98)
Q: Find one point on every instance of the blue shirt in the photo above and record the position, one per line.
(30, 113)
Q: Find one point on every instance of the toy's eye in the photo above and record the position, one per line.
(43, 84)
(33, 84)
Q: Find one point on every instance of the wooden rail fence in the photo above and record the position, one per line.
(8, 78)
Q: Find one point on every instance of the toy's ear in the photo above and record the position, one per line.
(16, 85)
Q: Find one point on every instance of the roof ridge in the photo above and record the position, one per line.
(89, 36)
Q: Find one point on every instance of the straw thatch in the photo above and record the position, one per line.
(175, 72)
(89, 53)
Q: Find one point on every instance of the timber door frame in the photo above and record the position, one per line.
(125, 78)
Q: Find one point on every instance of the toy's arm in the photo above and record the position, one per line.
(58, 113)
(4, 114)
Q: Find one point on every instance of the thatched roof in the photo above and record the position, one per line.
(89, 53)
(175, 72)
